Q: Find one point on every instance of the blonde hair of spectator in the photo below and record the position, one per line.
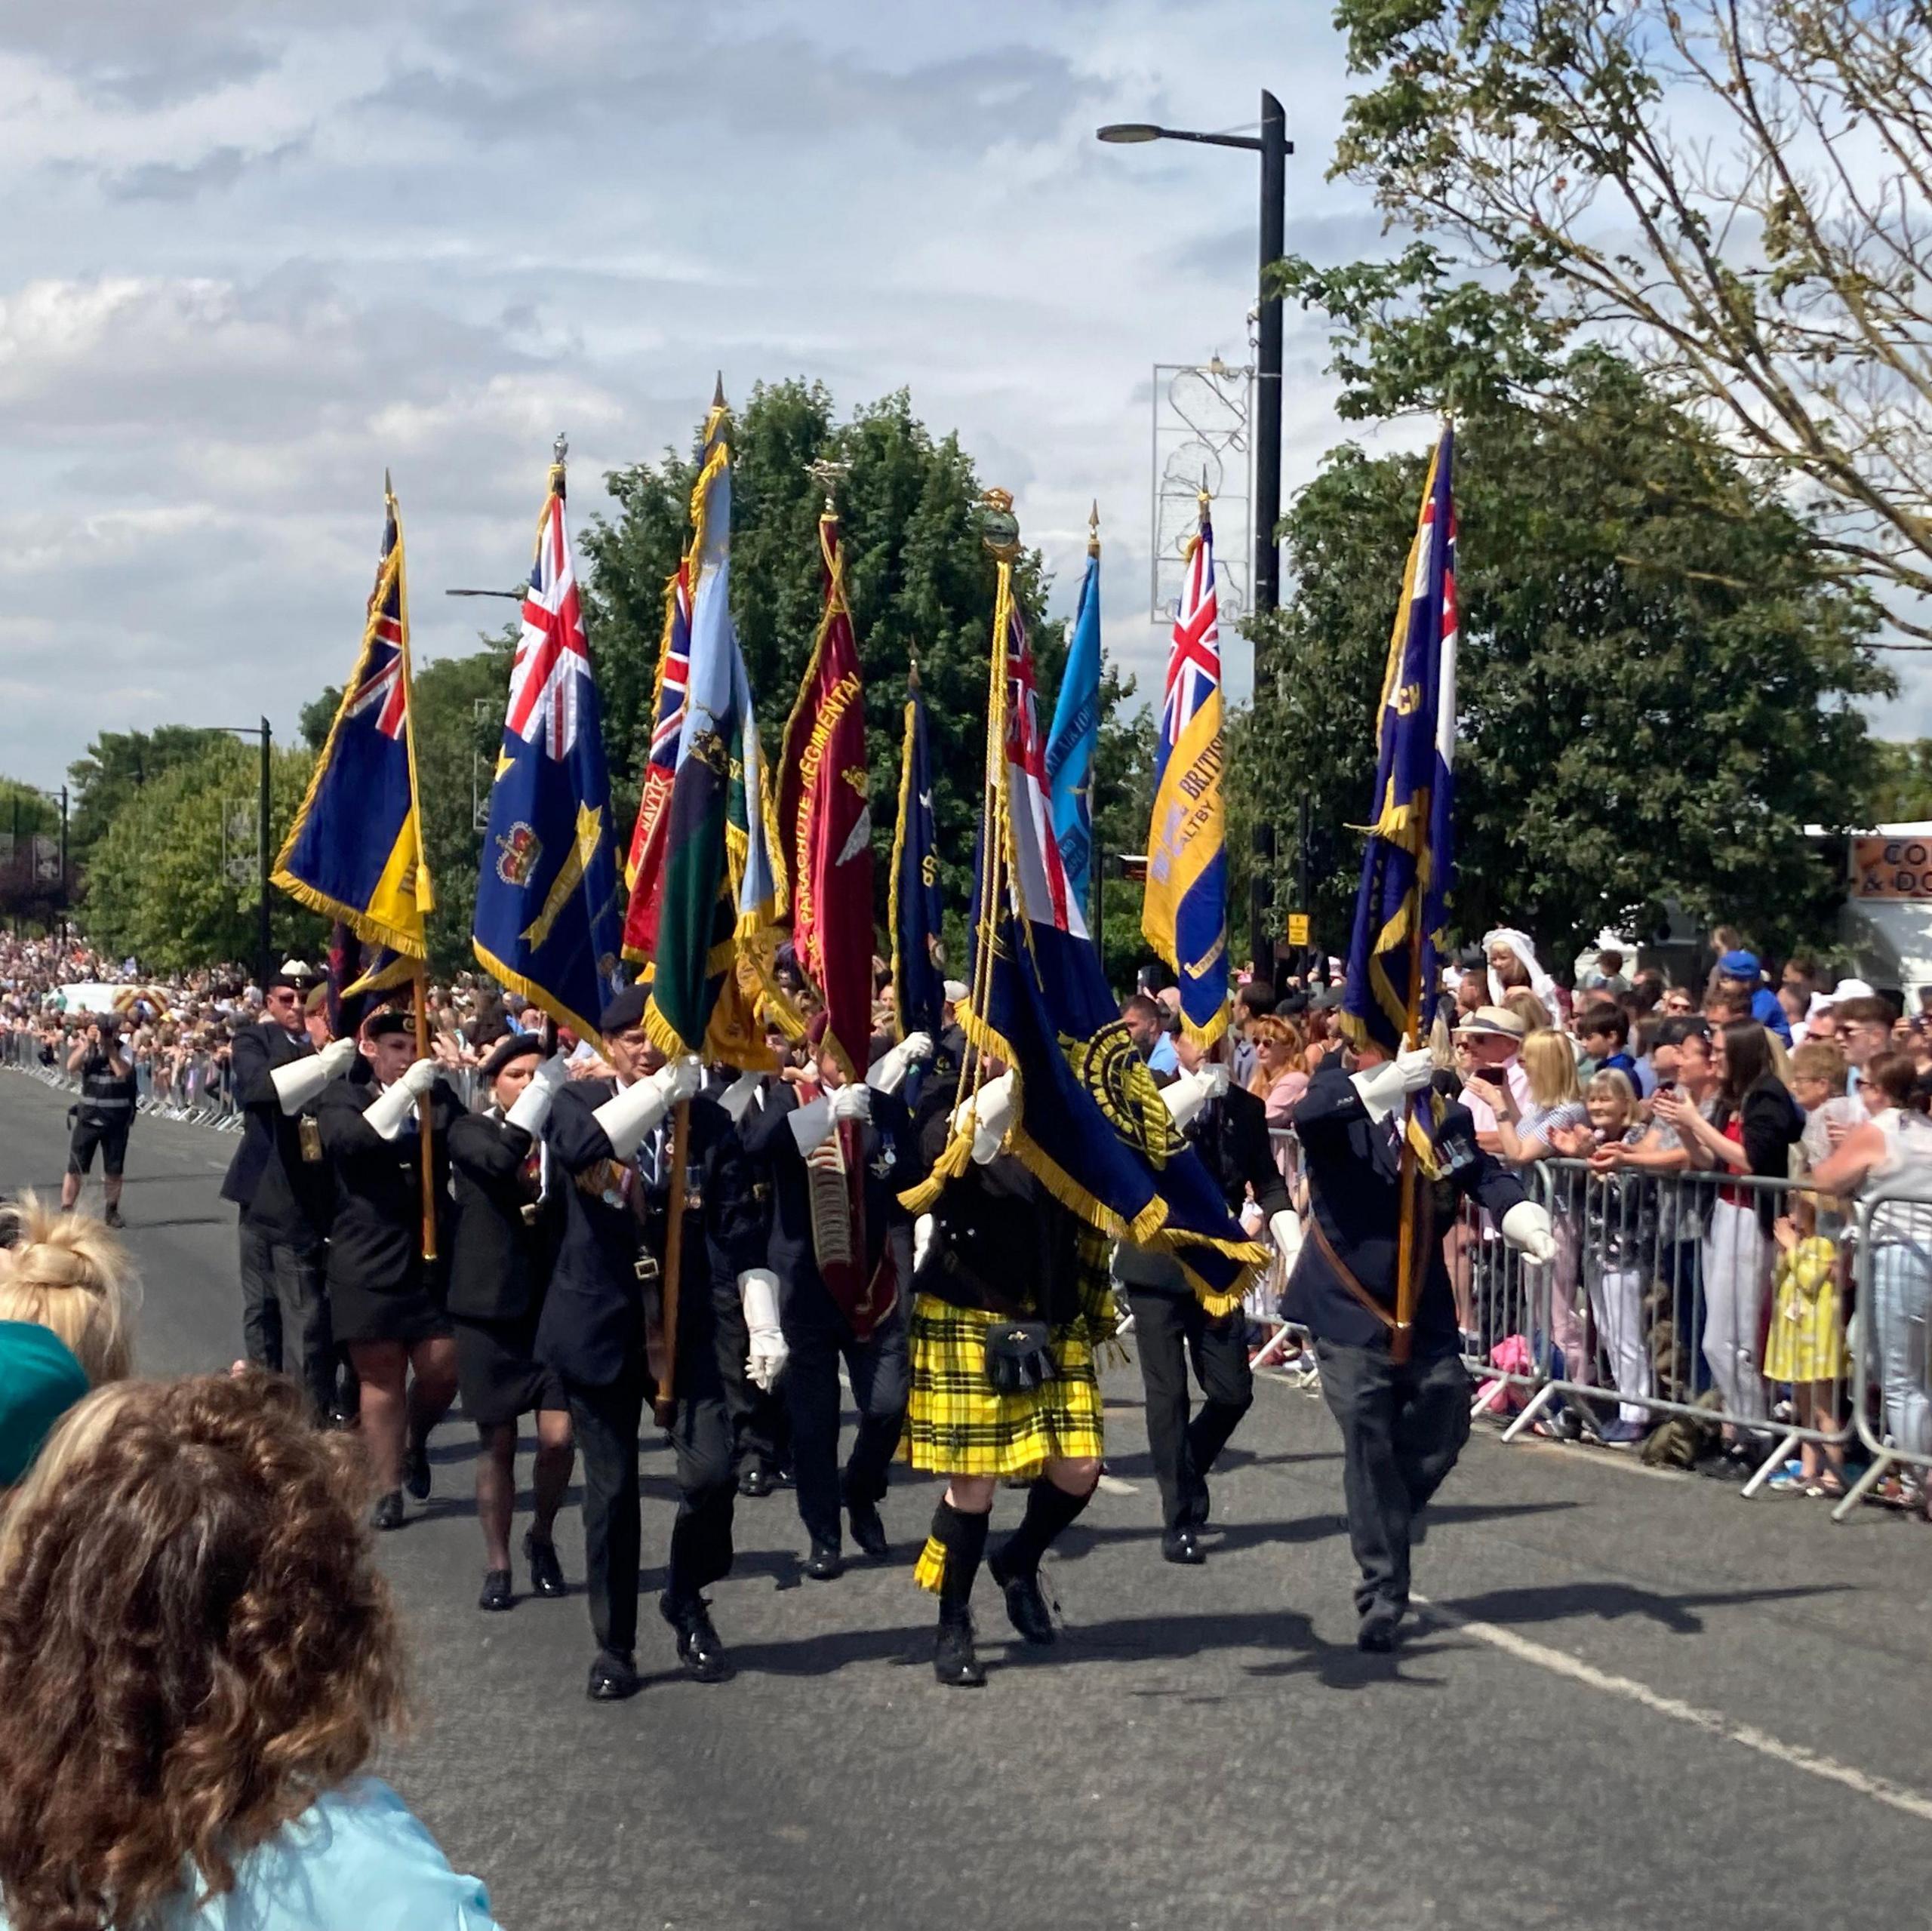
(1529, 1009)
(66, 1272)
(1819, 1059)
(1550, 1062)
(1614, 1080)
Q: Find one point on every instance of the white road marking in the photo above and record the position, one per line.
(1793, 1756)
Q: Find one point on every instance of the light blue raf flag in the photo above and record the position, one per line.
(1076, 730)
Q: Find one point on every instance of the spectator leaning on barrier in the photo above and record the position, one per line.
(1619, 1228)
(197, 1659)
(1757, 1121)
(1489, 1042)
(1888, 1161)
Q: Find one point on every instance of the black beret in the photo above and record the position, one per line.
(276, 980)
(512, 1046)
(387, 1022)
(625, 1010)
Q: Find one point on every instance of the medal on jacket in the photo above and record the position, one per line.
(310, 1136)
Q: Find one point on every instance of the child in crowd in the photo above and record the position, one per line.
(1806, 1344)
(1619, 1222)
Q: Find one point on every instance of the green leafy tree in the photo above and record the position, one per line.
(1902, 794)
(118, 765)
(1735, 190)
(173, 877)
(918, 577)
(1656, 694)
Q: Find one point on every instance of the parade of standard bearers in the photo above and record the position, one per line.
(706, 1197)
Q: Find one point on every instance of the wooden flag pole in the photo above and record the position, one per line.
(425, 1111)
(665, 1407)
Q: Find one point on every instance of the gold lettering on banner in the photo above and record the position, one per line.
(838, 700)
(1408, 700)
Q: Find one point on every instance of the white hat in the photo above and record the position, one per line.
(1846, 988)
(955, 991)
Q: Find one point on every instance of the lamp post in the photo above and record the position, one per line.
(264, 952)
(1274, 147)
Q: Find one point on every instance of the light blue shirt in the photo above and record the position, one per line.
(355, 1860)
(1164, 1058)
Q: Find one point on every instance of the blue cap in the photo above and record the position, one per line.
(1738, 965)
(40, 1380)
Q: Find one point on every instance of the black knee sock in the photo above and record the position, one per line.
(1049, 1510)
(963, 1538)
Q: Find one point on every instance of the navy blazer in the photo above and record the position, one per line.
(891, 1164)
(1354, 1169)
(591, 1328)
(268, 1178)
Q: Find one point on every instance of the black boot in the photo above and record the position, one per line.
(1015, 1564)
(955, 1663)
(699, 1648)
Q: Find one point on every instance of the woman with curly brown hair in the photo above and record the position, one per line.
(197, 1660)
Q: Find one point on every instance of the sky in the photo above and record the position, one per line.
(261, 250)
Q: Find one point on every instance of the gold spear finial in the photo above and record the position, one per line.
(1094, 529)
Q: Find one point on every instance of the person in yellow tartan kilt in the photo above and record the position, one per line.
(1011, 1304)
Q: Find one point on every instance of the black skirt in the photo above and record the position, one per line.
(409, 1314)
(497, 1374)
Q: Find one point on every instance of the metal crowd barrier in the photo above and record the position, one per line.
(1891, 1389)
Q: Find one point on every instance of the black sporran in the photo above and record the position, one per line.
(1018, 1358)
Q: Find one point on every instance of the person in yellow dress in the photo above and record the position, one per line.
(1806, 1344)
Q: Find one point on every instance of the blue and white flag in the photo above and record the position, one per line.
(1076, 734)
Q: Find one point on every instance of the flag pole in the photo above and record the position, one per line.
(424, 1114)
(664, 1404)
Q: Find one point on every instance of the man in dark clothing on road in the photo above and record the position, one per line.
(104, 1115)
(1403, 1422)
(281, 1182)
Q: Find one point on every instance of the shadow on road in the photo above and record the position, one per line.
(1227, 1537)
(1609, 1602)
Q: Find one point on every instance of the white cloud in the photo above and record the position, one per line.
(261, 250)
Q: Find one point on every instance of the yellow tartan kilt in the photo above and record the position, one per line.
(956, 1424)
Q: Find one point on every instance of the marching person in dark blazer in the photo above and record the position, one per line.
(601, 1329)
(385, 1300)
(280, 1179)
(761, 1425)
(1228, 1128)
(851, 1146)
(508, 1218)
(1403, 1424)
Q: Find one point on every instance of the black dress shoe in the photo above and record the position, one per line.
(416, 1470)
(868, 1531)
(547, 1573)
(955, 1662)
(825, 1564)
(1025, 1602)
(613, 1677)
(699, 1648)
(388, 1512)
(497, 1593)
(1179, 1545)
(756, 1481)
(1377, 1633)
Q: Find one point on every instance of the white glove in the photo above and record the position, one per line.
(922, 1240)
(737, 1097)
(991, 1112)
(531, 1107)
(301, 1080)
(1527, 1228)
(1185, 1096)
(1382, 1088)
(686, 1078)
(394, 1104)
(852, 1102)
(1284, 1230)
(811, 1123)
(888, 1074)
(758, 1291)
(633, 1113)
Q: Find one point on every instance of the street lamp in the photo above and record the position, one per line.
(264, 953)
(1274, 147)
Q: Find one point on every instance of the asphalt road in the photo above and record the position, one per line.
(1639, 1700)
